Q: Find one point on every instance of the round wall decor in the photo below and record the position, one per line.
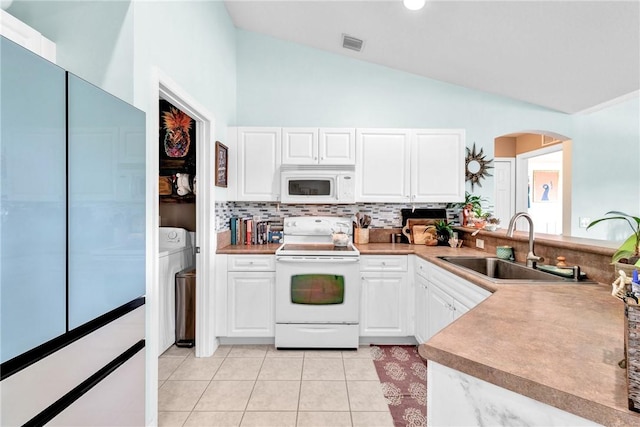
(476, 167)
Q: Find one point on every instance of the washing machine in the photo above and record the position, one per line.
(176, 253)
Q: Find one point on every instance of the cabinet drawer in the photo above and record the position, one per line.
(251, 263)
(383, 263)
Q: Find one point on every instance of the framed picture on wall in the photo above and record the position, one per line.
(545, 186)
(221, 164)
(177, 140)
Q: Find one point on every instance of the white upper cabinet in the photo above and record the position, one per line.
(437, 165)
(383, 165)
(259, 164)
(392, 165)
(299, 146)
(337, 146)
(313, 146)
(403, 165)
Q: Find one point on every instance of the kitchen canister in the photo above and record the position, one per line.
(361, 235)
(505, 252)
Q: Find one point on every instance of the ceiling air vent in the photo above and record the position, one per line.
(352, 43)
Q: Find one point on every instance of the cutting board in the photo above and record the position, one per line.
(424, 234)
(412, 222)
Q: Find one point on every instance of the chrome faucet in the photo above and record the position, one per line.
(532, 258)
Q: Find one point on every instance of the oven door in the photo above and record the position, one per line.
(317, 290)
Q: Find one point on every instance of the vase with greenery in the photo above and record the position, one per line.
(443, 232)
(471, 204)
(628, 252)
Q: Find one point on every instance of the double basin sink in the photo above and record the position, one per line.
(506, 272)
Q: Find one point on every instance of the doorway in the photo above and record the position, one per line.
(544, 178)
(533, 175)
(163, 87)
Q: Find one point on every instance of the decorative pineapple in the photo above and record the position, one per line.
(176, 138)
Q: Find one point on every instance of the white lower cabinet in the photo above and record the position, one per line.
(441, 298)
(422, 294)
(245, 296)
(439, 309)
(251, 304)
(384, 296)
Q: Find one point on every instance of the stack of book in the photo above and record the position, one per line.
(253, 231)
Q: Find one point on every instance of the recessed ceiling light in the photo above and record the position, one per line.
(414, 4)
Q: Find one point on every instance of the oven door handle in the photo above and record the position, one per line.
(317, 260)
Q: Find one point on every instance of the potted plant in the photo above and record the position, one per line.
(471, 203)
(628, 252)
(492, 223)
(443, 232)
(480, 217)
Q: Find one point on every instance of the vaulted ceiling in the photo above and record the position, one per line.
(563, 55)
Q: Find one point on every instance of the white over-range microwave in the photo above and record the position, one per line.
(318, 184)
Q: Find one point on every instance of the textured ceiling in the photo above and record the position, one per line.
(564, 55)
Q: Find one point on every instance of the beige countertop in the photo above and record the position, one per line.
(558, 344)
(268, 249)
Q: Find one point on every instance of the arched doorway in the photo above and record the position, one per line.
(533, 174)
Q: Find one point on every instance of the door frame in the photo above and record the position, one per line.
(163, 86)
(512, 167)
(522, 171)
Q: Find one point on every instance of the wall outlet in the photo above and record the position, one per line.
(479, 243)
(584, 222)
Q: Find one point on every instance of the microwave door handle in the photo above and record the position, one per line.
(317, 260)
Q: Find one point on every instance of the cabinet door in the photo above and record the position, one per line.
(383, 304)
(32, 208)
(437, 165)
(251, 304)
(259, 164)
(106, 202)
(383, 165)
(459, 308)
(299, 146)
(337, 146)
(439, 309)
(421, 328)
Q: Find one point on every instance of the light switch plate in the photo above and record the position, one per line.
(479, 243)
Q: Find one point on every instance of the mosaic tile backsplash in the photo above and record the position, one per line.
(383, 215)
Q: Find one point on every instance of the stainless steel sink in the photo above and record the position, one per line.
(502, 271)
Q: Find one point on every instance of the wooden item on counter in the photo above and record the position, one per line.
(561, 261)
(424, 235)
(411, 222)
(361, 235)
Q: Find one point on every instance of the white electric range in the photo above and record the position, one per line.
(317, 285)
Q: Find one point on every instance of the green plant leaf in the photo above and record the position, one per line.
(626, 250)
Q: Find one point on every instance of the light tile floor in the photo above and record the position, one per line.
(252, 385)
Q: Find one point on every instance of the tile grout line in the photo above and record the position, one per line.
(304, 356)
(255, 382)
(204, 391)
(346, 385)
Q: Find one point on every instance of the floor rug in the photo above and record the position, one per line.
(403, 375)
